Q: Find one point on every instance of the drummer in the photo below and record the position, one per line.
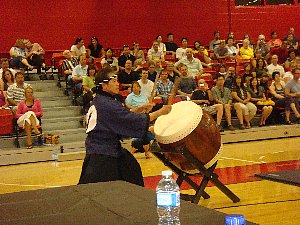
(203, 97)
(107, 121)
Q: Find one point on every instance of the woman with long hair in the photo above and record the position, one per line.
(7, 79)
(112, 61)
(95, 49)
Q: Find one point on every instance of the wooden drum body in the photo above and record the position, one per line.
(187, 125)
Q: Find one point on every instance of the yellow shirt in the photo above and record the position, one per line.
(246, 53)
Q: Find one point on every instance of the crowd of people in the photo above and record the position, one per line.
(230, 76)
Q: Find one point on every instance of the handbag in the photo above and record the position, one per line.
(267, 102)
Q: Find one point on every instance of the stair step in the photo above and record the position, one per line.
(65, 124)
(60, 112)
(49, 93)
(56, 103)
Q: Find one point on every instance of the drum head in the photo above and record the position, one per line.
(179, 123)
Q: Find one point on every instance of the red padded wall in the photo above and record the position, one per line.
(56, 24)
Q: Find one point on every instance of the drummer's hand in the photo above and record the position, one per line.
(165, 109)
(151, 129)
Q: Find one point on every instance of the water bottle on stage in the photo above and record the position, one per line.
(168, 200)
(235, 219)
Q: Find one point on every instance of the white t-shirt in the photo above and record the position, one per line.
(146, 89)
(78, 52)
(180, 53)
(271, 68)
(162, 47)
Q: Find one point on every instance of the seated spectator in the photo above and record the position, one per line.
(247, 71)
(230, 35)
(193, 64)
(245, 109)
(232, 50)
(127, 76)
(246, 52)
(274, 66)
(262, 45)
(258, 97)
(216, 42)
(164, 85)
(78, 48)
(126, 55)
(187, 84)
(264, 81)
(220, 71)
(171, 73)
(171, 47)
(28, 110)
(291, 42)
(181, 52)
(16, 91)
(292, 89)
(246, 37)
(202, 54)
(7, 80)
(221, 52)
(291, 31)
(260, 68)
(152, 71)
(3, 100)
(282, 53)
(275, 41)
(277, 89)
(222, 95)
(161, 45)
(292, 61)
(80, 70)
(4, 66)
(155, 54)
(88, 85)
(18, 56)
(34, 55)
(203, 97)
(287, 76)
(138, 53)
(112, 61)
(95, 49)
(69, 63)
(229, 78)
(145, 84)
(134, 100)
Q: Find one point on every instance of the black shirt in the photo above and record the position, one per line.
(125, 78)
(171, 47)
(123, 58)
(95, 52)
(152, 76)
(200, 95)
(172, 78)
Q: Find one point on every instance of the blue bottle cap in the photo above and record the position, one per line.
(235, 219)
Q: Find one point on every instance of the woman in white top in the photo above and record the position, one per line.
(78, 48)
(161, 45)
(112, 61)
(232, 50)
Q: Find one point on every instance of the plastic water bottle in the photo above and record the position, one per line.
(235, 219)
(168, 200)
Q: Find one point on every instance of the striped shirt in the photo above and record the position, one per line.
(69, 64)
(17, 93)
(164, 89)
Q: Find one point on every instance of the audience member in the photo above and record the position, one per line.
(164, 85)
(16, 91)
(246, 52)
(112, 61)
(181, 52)
(78, 48)
(203, 97)
(95, 49)
(7, 80)
(4, 66)
(3, 100)
(28, 110)
(187, 84)
(202, 54)
(88, 84)
(291, 43)
(80, 70)
(127, 76)
(145, 84)
(222, 95)
(193, 64)
(170, 70)
(138, 53)
(221, 52)
(229, 78)
(161, 45)
(232, 50)
(245, 109)
(126, 55)
(275, 41)
(262, 45)
(171, 47)
(260, 68)
(274, 66)
(155, 54)
(291, 31)
(277, 89)
(282, 53)
(292, 89)
(216, 42)
(151, 71)
(258, 97)
(18, 56)
(69, 63)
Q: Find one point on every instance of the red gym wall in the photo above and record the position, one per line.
(56, 24)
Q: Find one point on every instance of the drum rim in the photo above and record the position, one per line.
(183, 132)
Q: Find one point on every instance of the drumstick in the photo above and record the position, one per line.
(154, 88)
(174, 91)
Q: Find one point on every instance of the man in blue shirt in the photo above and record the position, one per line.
(107, 122)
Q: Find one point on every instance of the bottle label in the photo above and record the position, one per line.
(168, 199)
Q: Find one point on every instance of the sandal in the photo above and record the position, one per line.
(29, 146)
